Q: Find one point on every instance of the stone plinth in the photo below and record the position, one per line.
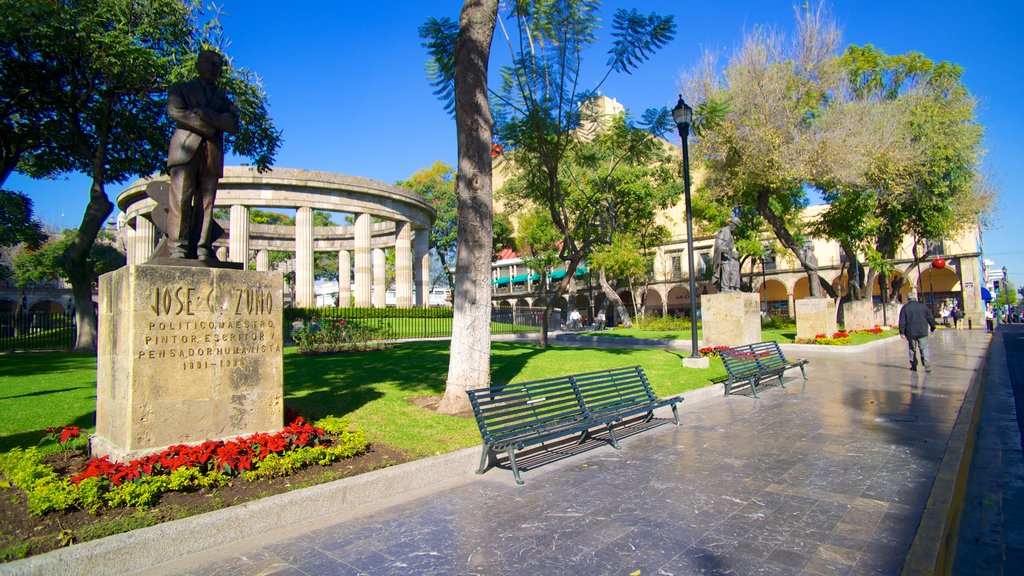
(859, 315)
(731, 318)
(891, 317)
(815, 316)
(186, 355)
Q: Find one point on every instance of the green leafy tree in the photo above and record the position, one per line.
(32, 266)
(112, 61)
(756, 121)
(437, 186)
(16, 222)
(1007, 295)
(540, 107)
(615, 180)
(915, 173)
(538, 240)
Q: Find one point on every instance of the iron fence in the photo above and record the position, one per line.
(37, 331)
(412, 323)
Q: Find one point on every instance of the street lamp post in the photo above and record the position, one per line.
(682, 114)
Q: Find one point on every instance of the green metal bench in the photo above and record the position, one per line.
(514, 416)
(753, 363)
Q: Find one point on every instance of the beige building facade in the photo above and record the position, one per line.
(779, 280)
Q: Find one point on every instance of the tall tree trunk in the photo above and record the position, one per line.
(77, 266)
(470, 360)
(815, 284)
(621, 313)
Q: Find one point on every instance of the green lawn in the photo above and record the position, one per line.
(374, 389)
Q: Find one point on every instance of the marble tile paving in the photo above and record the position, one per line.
(828, 476)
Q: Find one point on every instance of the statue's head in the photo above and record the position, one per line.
(210, 65)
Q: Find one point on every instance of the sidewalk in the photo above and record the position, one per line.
(991, 536)
(828, 476)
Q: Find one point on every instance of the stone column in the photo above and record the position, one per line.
(145, 233)
(304, 257)
(421, 266)
(362, 245)
(238, 236)
(379, 279)
(344, 279)
(222, 254)
(263, 260)
(403, 266)
(792, 306)
(129, 244)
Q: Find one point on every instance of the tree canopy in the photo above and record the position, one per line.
(890, 142)
(541, 108)
(97, 101)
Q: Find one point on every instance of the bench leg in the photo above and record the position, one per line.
(486, 459)
(781, 383)
(803, 372)
(675, 414)
(753, 386)
(583, 437)
(515, 467)
(612, 439)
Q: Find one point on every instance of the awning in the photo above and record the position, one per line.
(519, 278)
(985, 294)
(502, 280)
(558, 274)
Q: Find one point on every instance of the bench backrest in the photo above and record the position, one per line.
(612, 389)
(506, 410)
(753, 357)
(509, 409)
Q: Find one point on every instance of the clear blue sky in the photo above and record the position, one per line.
(347, 86)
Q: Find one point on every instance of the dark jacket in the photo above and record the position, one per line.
(916, 320)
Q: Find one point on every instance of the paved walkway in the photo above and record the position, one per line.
(991, 537)
(829, 477)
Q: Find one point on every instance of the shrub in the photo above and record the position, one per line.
(340, 336)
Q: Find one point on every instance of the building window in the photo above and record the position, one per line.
(934, 247)
(677, 267)
(769, 260)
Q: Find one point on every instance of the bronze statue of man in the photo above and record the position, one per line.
(725, 259)
(202, 114)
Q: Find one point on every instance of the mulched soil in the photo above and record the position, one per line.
(22, 534)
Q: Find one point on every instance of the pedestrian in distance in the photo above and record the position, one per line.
(916, 322)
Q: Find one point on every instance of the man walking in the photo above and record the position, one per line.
(916, 322)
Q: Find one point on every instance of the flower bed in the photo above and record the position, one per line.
(840, 338)
(140, 482)
(712, 351)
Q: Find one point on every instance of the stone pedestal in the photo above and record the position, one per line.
(815, 316)
(891, 317)
(859, 315)
(731, 318)
(186, 355)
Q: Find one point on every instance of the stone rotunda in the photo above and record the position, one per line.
(403, 222)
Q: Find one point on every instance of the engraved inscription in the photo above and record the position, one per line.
(189, 326)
